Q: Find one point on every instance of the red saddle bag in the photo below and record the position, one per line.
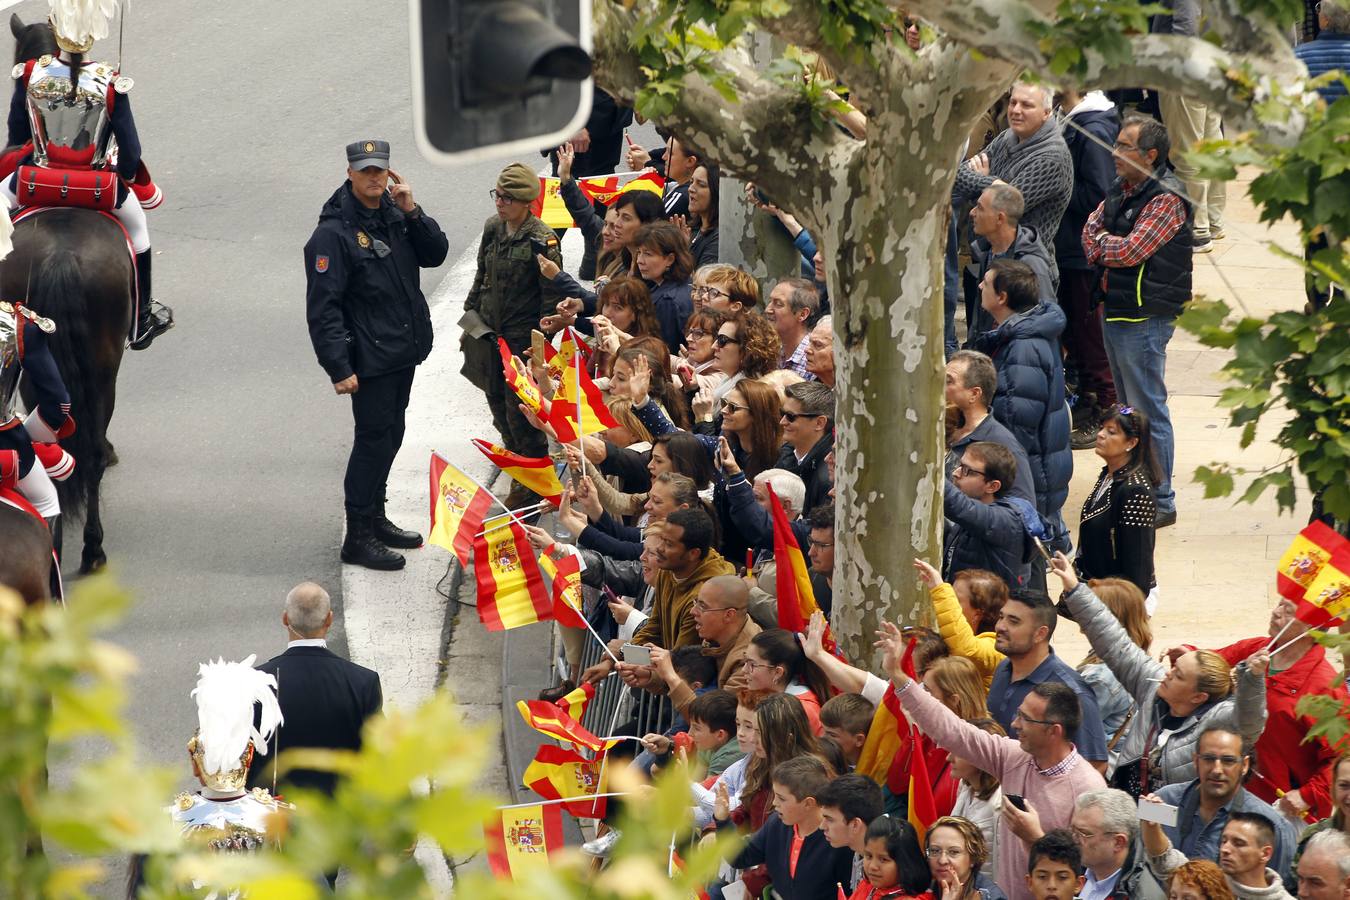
(87, 188)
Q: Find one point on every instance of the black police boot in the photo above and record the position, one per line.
(391, 535)
(152, 318)
(360, 548)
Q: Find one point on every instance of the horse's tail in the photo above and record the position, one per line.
(58, 292)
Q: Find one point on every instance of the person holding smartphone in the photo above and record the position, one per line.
(370, 326)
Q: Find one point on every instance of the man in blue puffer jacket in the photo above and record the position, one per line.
(1029, 400)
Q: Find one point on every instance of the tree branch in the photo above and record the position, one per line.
(760, 137)
(801, 26)
(1235, 83)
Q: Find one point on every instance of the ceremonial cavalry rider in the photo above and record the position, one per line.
(23, 350)
(84, 128)
(237, 714)
(371, 326)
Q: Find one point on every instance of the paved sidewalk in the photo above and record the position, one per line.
(1216, 565)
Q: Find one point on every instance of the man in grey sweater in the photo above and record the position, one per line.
(1189, 122)
(1031, 156)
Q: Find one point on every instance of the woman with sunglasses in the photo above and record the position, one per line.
(746, 346)
(1115, 539)
(696, 365)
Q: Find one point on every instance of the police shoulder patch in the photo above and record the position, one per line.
(320, 264)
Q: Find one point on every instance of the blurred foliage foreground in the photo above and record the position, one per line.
(60, 684)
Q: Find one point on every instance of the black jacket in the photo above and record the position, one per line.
(1160, 286)
(325, 700)
(1116, 537)
(366, 312)
(1093, 172)
(813, 471)
(819, 866)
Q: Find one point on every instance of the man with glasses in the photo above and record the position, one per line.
(510, 295)
(370, 327)
(725, 627)
(1105, 825)
(1140, 239)
(808, 434)
(1205, 804)
(985, 531)
(1040, 766)
(792, 308)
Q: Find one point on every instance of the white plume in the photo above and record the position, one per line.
(225, 695)
(81, 20)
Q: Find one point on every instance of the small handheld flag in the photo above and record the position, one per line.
(511, 590)
(520, 839)
(458, 506)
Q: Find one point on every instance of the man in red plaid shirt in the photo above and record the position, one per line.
(1139, 239)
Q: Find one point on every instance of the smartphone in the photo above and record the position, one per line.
(1162, 813)
(539, 247)
(635, 655)
(1017, 801)
(610, 596)
(537, 341)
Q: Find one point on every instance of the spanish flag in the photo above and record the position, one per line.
(922, 807)
(549, 719)
(458, 506)
(577, 398)
(519, 381)
(885, 737)
(796, 599)
(511, 590)
(571, 342)
(521, 839)
(607, 191)
(558, 774)
(1327, 600)
(565, 575)
(536, 473)
(1312, 548)
(552, 209)
(574, 704)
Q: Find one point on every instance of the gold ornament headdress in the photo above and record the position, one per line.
(225, 695)
(78, 23)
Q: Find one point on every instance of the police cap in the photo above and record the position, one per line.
(364, 154)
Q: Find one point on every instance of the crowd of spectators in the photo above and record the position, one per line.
(1082, 225)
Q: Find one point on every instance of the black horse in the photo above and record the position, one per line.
(73, 266)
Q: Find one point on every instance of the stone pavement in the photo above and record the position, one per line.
(1216, 565)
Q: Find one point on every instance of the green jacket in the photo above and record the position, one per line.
(508, 292)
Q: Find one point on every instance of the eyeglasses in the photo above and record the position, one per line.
(498, 195)
(1226, 761)
(822, 544)
(728, 406)
(700, 606)
(707, 291)
(723, 339)
(695, 334)
(752, 665)
(962, 470)
(1084, 835)
(792, 417)
(1129, 148)
(952, 853)
(1025, 718)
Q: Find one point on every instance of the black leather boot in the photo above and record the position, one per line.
(360, 548)
(391, 535)
(152, 318)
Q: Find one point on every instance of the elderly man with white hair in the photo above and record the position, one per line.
(1324, 867)
(1105, 825)
(1031, 156)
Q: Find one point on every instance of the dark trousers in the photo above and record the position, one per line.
(378, 407)
(518, 435)
(1083, 336)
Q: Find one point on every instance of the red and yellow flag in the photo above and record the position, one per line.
(511, 590)
(558, 774)
(578, 406)
(885, 735)
(607, 192)
(1327, 600)
(536, 473)
(552, 209)
(519, 381)
(520, 839)
(574, 703)
(922, 807)
(796, 598)
(565, 575)
(571, 342)
(549, 719)
(458, 506)
(1311, 549)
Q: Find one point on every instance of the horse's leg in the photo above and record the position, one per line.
(93, 558)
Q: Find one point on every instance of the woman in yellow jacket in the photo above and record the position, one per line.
(966, 611)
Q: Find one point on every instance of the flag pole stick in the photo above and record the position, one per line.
(581, 431)
(1278, 634)
(601, 641)
(604, 760)
(515, 519)
(519, 511)
(670, 862)
(1287, 644)
(564, 800)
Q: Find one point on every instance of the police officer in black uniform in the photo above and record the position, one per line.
(370, 326)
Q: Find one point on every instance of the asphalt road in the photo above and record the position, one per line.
(232, 442)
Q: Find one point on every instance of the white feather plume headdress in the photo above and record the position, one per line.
(78, 23)
(225, 694)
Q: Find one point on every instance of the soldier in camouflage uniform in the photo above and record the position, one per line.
(510, 295)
